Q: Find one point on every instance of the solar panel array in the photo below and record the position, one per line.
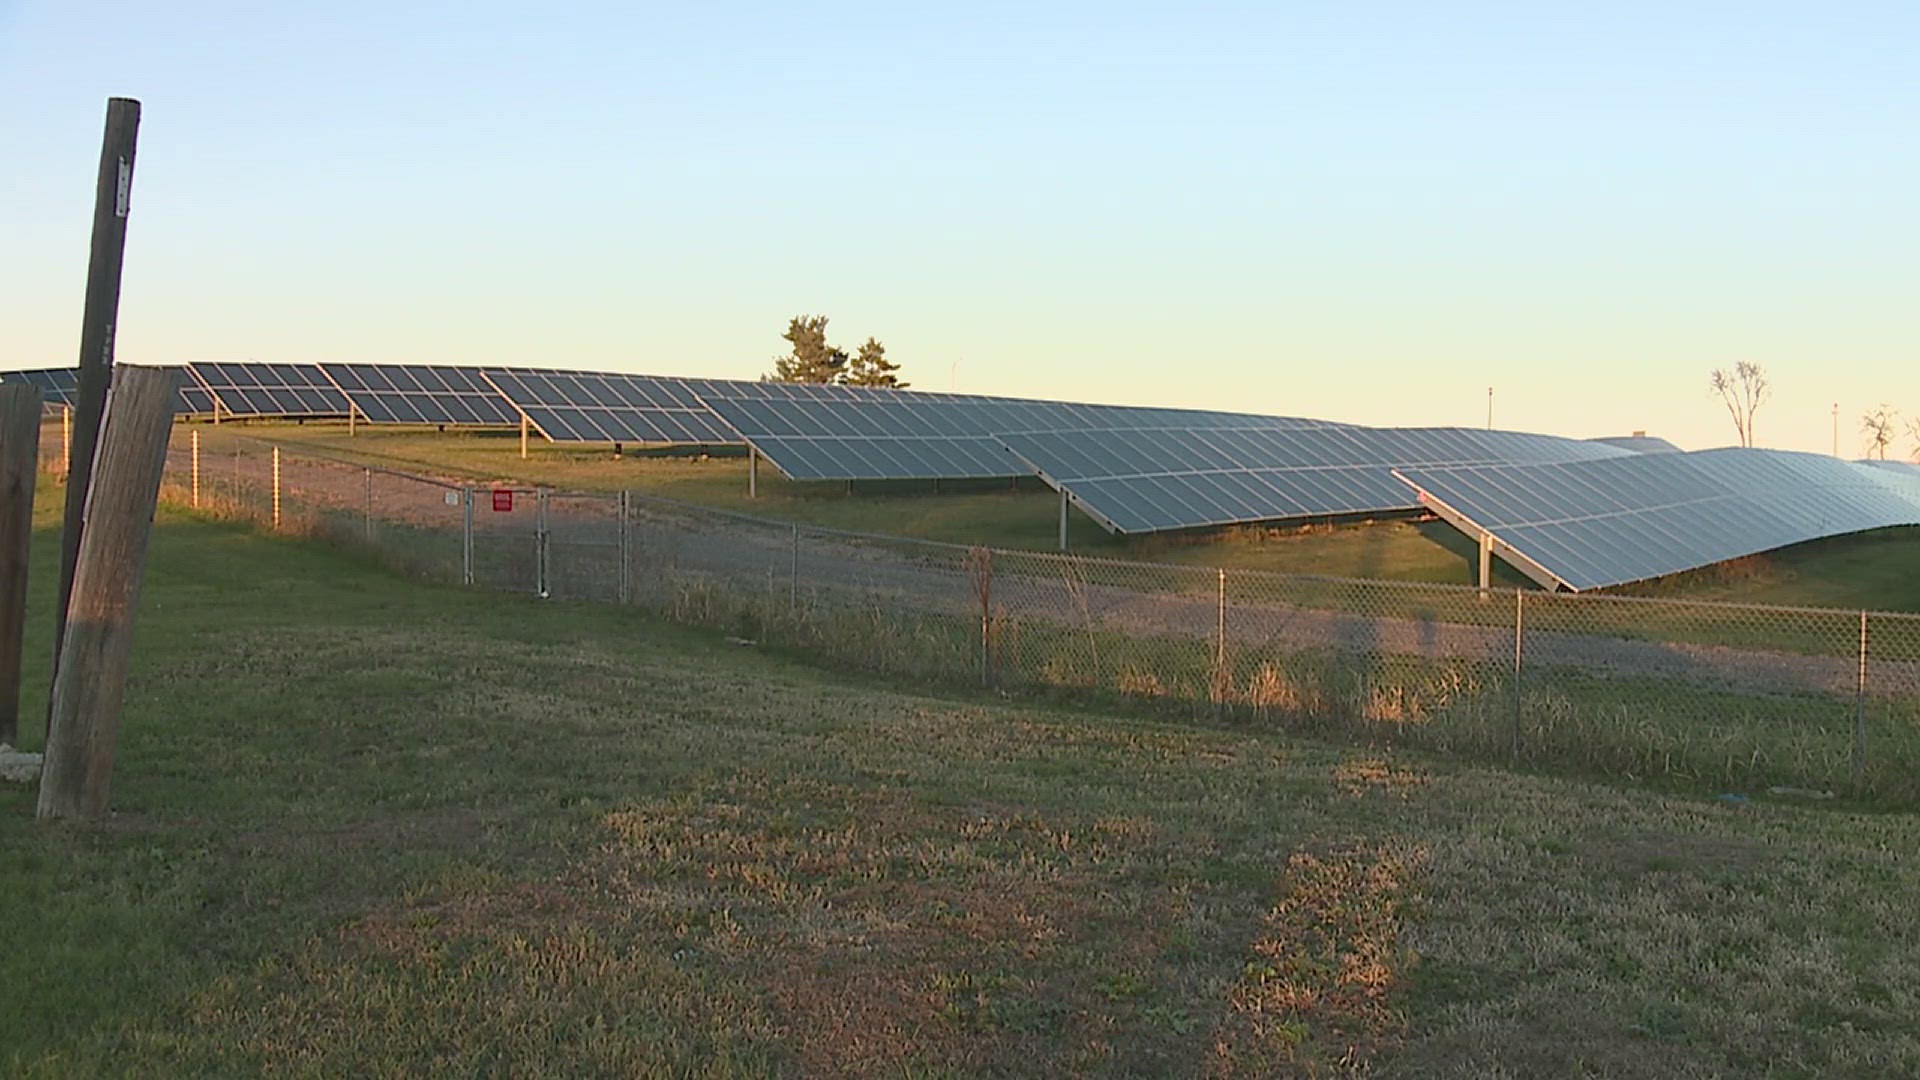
(271, 389)
(588, 406)
(893, 435)
(58, 387)
(415, 394)
(1183, 478)
(1591, 524)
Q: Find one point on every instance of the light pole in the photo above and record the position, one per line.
(1489, 408)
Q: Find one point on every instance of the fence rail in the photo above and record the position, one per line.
(1735, 696)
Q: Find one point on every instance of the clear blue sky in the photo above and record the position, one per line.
(1366, 212)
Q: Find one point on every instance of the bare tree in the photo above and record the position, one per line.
(1743, 390)
(1913, 430)
(1880, 426)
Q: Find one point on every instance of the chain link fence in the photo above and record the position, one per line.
(1732, 696)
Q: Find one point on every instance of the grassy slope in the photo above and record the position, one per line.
(368, 827)
(1876, 571)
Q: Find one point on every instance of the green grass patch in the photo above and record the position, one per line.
(370, 826)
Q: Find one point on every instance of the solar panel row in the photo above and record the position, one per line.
(1182, 478)
(586, 406)
(271, 389)
(414, 394)
(904, 436)
(1591, 524)
(59, 385)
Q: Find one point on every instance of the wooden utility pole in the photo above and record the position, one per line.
(88, 688)
(19, 465)
(112, 188)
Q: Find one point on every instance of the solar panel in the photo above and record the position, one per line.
(847, 433)
(587, 406)
(271, 389)
(1591, 524)
(1639, 444)
(1905, 468)
(59, 385)
(415, 394)
(1153, 480)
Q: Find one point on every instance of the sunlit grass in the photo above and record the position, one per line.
(367, 826)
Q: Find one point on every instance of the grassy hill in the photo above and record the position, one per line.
(368, 826)
(1875, 570)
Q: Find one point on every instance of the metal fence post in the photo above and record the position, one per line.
(540, 542)
(1860, 713)
(1519, 655)
(983, 576)
(276, 489)
(1220, 652)
(466, 536)
(194, 439)
(793, 574)
(626, 550)
(369, 506)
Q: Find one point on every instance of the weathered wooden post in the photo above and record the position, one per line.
(19, 464)
(90, 685)
(112, 188)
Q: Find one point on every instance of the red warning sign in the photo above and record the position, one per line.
(503, 500)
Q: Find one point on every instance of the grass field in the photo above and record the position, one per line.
(371, 827)
(1878, 570)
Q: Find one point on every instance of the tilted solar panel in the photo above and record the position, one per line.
(251, 389)
(1591, 524)
(1639, 444)
(58, 386)
(586, 406)
(419, 394)
(1153, 480)
(846, 433)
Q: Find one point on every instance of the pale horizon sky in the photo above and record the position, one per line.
(1367, 213)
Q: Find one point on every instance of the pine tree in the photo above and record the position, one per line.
(811, 360)
(871, 367)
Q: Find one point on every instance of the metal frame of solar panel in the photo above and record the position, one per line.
(597, 407)
(1594, 524)
(422, 394)
(251, 390)
(1157, 480)
(851, 433)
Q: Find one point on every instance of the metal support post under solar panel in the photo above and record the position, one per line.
(753, 472)
(1486, 564)
(1063, 519)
